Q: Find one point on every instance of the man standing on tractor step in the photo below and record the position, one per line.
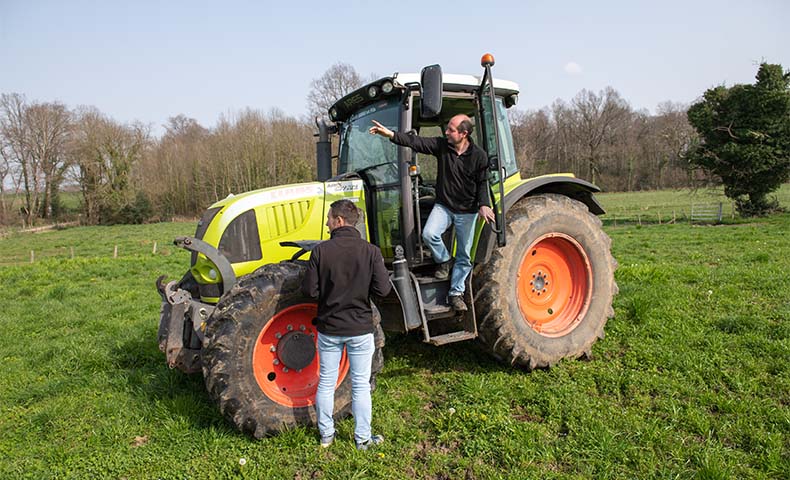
(342, 274)
(461, 195)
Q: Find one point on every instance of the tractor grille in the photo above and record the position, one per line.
(284, 218)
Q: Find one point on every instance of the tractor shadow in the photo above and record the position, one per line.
(407, 354)
(181, 396)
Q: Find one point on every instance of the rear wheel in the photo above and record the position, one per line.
(547, 294)
(260, 361)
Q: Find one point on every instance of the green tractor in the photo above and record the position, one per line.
(541, 289)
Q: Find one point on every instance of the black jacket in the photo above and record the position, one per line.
(461, 180)
(342, 274)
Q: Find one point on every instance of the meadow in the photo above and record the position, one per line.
(691, 380)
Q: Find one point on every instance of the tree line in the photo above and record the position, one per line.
(124, 174)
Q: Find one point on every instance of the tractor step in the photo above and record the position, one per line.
(452, 337)
(439, 311)
(441, 323)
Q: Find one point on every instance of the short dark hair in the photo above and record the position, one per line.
(467, 126)
(346, 209)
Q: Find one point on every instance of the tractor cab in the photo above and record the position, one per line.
(400, 181)
(400, 184)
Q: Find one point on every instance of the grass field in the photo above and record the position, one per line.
(691, 381)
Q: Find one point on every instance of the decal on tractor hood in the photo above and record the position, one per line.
(299, 191)
(344, 187)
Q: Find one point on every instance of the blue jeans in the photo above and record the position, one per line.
(360, 350)
(438, 222)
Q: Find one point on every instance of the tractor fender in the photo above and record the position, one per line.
(570, 187)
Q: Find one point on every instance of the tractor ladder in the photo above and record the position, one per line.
(440, 323)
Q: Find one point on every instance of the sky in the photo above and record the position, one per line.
(150, 60)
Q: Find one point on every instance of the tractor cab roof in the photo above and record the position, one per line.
(453, 82)
(399, 82)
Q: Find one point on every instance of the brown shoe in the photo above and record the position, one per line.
(457, 302)
(443, 270)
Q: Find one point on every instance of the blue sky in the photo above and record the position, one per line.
(146, 60)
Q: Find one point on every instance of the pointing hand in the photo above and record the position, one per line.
(379, 129)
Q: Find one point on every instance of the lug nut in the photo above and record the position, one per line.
(289, 328)
(276, 362)
(302, 328)
(272, 348)
(278, 335)
(285, 369)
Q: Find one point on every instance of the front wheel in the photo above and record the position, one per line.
(548, 293)
(260, 359)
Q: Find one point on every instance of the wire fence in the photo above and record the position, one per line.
(617, 216)
(695, 213)
(34, 255)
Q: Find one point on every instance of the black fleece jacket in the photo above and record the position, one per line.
(461, 180)
(342, 274)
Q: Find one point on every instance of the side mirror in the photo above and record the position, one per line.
(431, 91)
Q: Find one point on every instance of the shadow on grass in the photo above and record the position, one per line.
(179, 395)
(412, 355)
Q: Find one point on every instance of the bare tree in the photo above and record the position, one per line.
(676, 137)
(339, 80)
(107, 153)
(16, 135)
(50, 127)
(596, 116)
(6, 171)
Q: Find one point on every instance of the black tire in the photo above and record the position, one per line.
(502, 296)
(244, 318)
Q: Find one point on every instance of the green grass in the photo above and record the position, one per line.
(691, 381)
(664, 206)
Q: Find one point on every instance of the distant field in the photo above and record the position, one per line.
(691, 381)
(666, 205)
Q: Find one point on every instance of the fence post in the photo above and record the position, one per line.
(72, 253)
(154, 251)
(32, 256)
(115, 252)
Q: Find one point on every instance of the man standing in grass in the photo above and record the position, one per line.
(342, 274)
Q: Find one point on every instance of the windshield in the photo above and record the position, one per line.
(358, 148)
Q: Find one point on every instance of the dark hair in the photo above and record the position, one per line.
(346, 209)
(467, 126)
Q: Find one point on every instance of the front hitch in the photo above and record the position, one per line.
(182, 322)
(182, 318)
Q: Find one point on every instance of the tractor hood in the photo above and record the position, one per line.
(248, 229)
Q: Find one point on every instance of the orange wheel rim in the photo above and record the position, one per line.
(554, 285)
(277, 346)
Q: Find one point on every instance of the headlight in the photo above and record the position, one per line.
(386, 87)
(373, 91)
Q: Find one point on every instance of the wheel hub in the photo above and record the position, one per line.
(296, 350)
(554, 284)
